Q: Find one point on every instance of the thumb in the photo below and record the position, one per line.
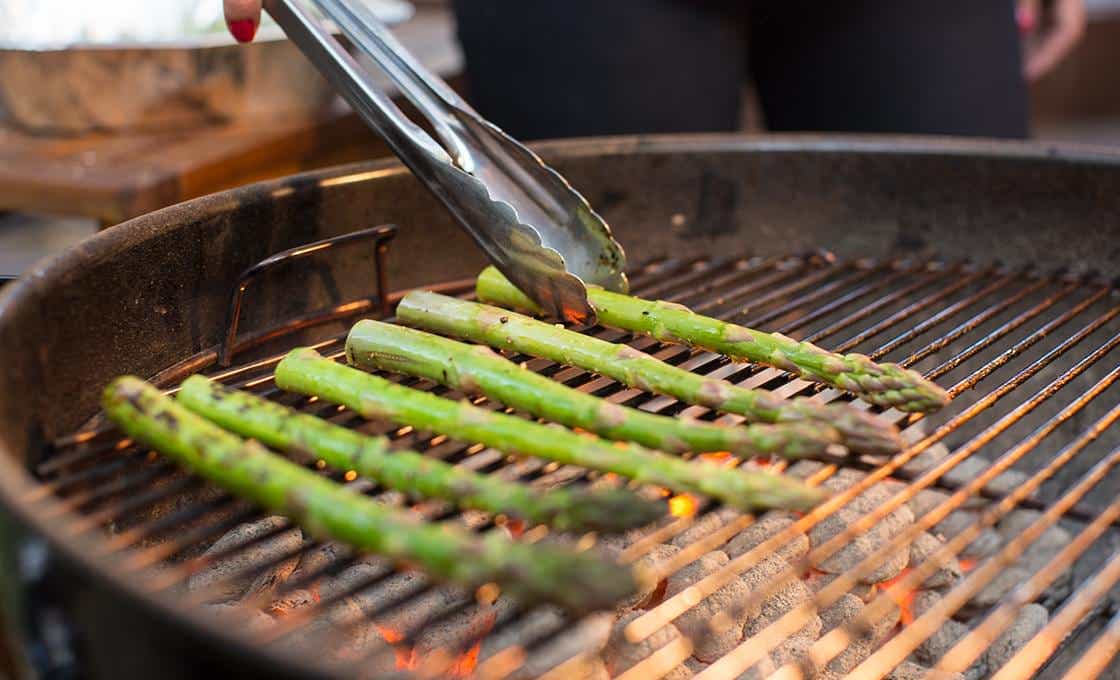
(242, 18)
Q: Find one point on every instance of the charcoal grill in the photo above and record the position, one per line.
(990, 267)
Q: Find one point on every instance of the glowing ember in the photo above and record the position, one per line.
(682, 505)
(513, 526)
(904, 599)
(461, 666)
(720, 458)
(405, 658)
(967, 564)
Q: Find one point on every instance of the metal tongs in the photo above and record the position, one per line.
(540, 232)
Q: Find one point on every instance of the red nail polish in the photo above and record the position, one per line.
(243, 29)
(1026, 19)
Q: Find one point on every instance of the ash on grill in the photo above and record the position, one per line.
(986, 548)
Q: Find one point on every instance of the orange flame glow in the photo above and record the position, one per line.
(461, 666)
(967, 564)
(682, 505)
(720, 458)
(904, 599)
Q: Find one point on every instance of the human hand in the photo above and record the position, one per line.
(243, 17)
(1054, 29)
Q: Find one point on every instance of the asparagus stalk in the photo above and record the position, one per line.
(887, 385)
(499, 328)
(579, 582)
(304, 371)
(283, 428)
(478, 369)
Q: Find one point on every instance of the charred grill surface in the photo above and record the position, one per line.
(986, 547)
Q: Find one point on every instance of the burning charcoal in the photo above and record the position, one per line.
(817, 580)
(967, 470)
(650, 591)
(804, 469)
(1036, 556)
(912, 671)
(1016, 522)
(319, 558)
(765, 527)
(762, 576)
(934, 454)
(841, 611)
(1007, 481)
(861, 647)
(613, 544)
(984, 545)
(537, 622)
(240, 617)
(790, 594)
(935, 646)
(863, 545)
(588, 637)
(1030, 620)
(291, 602)
(1005, 580)
(843, 478)
(332, 638)
(620, 654)
(695, 666)
(881, 534)
(354, 576)
(229, 577)
(457, 639)
(705, 525)
(921, 549)
(926, 500)
(714, 625)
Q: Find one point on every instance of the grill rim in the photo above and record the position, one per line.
(100, 572)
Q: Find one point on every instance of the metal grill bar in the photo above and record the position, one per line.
(1098, 657)
(104, 479)
(1029, 658)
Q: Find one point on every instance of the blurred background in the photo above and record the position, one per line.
(114, 108)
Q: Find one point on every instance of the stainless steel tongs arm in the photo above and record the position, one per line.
(528, 220)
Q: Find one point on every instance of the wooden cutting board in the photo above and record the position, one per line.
(115, 177)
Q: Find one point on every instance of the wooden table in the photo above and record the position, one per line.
(112, 178)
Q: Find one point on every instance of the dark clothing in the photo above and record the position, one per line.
(541, 68)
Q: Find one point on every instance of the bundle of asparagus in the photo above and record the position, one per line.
(410, 472)
(478, 369)
(579, 582)
(304, 371)
(860, 431)
(887, 385)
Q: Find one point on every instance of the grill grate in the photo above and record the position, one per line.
(1026, 355)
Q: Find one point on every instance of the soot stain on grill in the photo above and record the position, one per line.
(715, 208)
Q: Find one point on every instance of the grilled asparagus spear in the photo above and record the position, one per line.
(475, 368)
(888, 385)
(499, 328)
(579, 582)
(304, 371)
(283, 428)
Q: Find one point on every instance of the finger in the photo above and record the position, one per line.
(1057, 43)
(242, 18)
(1026, 15)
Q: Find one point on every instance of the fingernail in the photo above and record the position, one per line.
(243, 29)
(1026, 19)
